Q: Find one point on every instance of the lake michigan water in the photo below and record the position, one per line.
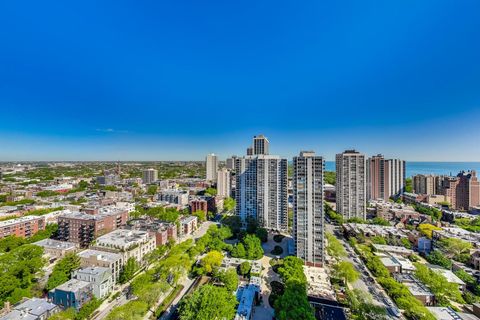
(416, 167)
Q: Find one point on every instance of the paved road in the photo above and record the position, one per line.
(187, 283)
(107, 306)
(366, 282)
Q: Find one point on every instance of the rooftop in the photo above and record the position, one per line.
(73, 285)
(20, 220)
(451, 277)
(55, 244)
(123, 238)
(30, 309)
(100, 255)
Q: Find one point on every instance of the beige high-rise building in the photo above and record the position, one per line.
(211, 167)
(351, 184)
(425, 184)
(223, 183)
(150, 176)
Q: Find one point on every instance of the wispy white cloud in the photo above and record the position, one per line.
(110, 130)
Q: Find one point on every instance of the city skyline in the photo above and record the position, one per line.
(85, 82)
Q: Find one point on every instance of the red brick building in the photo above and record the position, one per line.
(22, 227)
(83, 228)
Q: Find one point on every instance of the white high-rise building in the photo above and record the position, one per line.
(150, 176)
(223, 183)
(308, 208)
(261, 145)
(261, 190)
(211, 167)
(351, 184)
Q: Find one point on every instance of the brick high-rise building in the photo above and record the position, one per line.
(83, 228)
(425, 184)
(385, 177)
(463, 190)
(351, 184)
(308, 208)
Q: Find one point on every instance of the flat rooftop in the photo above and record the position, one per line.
(73, 285)
(100, 255)
(55, 244)
(20, 220)
(123, 238)
(318, 283)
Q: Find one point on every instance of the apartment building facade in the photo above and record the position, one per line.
(308, 208)
(351, 184)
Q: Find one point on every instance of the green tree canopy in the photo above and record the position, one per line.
(212, 260)
(228, 277)
(63, 269)
(293, 304)
(346, 271)
(229, 204)
(209, 303)
(244, 268)
(128, 270)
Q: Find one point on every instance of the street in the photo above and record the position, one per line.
(107, 306)
(366, 282)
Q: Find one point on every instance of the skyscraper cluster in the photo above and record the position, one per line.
(462, 191)
(261, 190)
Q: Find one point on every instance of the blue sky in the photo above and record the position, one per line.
(168, 80)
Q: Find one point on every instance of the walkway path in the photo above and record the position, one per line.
(265, 311)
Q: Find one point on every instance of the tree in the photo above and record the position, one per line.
(239, 251)
(378, 240)
(334, 248)
(406, 243)
(229, 278)
(436, 257)
(380, 221)
(87, 309)
(128, 270)
(201, 215)
(253, 247)
(62, 271)
(293, 304)
(330, 177)
(244, 268)
(438, 284)
(211, 260)
(152, 189)
(362, 308)
(346, 271)
(229, 204)
(454, 247)
(408, 185)
(208, 302)
(211, 191)
(427, 229)
(262, 234)
(292, 268)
